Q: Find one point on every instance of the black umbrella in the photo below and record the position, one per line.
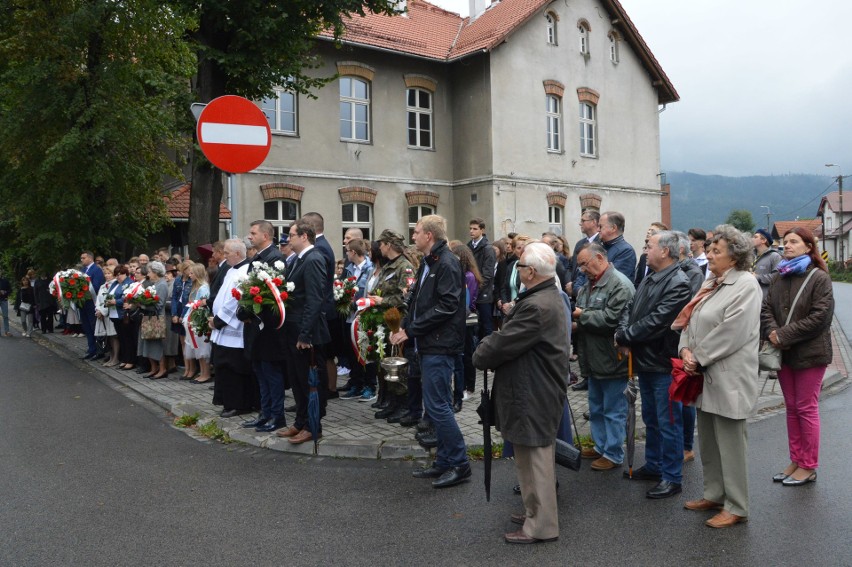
(631, 392)
(313, 401)
(484, 411)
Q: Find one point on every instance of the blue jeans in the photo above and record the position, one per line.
(688, 427)
(270, 381)
(437, 373)
(4, 309)
(663, 427)
(608, 416)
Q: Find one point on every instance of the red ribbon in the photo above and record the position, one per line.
(192, 307)
(277, 295)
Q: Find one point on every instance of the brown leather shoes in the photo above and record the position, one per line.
(289, 432)
(519, 519)
(602, 464)
(725, 519)
(520, 537)
(301, 437)
(702, 504)
(688, 456)
(590, 453)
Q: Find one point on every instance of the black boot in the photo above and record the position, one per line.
(392, 406)
(382, 397)
(401, 410)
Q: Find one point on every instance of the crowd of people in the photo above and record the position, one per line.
(515, 306)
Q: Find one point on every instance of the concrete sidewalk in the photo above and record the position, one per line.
(349, 428)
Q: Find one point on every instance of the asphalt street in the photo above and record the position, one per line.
(91, 475)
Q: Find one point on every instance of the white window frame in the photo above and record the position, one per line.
(555, 219)
(280, 224)
(613, 47)
(274, 111)
(550, 18)
(419, 114)
(584, 39)
(421, 211)
(354, 103)
(553, 111)
(588, 130)
(366, 225)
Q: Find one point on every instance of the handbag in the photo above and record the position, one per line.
(26, 307)
(567, 455)
(769, 355)
(153, 328)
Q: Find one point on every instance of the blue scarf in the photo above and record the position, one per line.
(797, 265)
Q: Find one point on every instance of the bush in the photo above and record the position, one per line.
(839, 273)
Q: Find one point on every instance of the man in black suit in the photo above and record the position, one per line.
(328, 373)
(305, 329)
(265, 346)
(218, 258)
(642, 268)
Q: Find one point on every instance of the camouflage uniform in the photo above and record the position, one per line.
(392, 285)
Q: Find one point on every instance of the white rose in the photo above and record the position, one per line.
(290, 286)
(279, 265)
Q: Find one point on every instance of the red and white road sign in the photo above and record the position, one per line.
(234, 134)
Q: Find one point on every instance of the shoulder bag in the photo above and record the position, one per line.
(769, 356)
(153, 328)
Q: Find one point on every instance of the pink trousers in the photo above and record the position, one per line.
(801, 390)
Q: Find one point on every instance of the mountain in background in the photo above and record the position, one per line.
(707, 200)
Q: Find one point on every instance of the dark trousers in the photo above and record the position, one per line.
(415, 383)
(46, 317)
(270, 381)
(234, 386)
(299, 362)
(87, 320)
(363, 376)
(485, 313)
(128, 337)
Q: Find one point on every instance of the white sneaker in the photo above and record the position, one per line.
(466, 396)
(342, 371)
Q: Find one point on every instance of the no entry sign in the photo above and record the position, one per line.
(234, 134)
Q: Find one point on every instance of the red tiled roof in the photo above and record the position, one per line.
(781, 227)
(178, 204)
(434, 33)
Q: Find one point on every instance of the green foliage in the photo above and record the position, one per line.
(211, 430)
(187, 420)
(839, 273)
(741, 220)
(90, 98)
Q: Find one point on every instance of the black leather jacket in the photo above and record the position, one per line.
(646, 324)
(436, 307)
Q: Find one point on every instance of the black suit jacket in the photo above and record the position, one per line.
(305, 317)
(216, 284)
(640, 270)
(328, 254)
(267, 343)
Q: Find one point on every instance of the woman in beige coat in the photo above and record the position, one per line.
(720, 340)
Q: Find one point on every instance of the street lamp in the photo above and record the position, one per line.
(842, 257)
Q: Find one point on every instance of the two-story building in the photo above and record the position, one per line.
(837, 220)
(510, 115)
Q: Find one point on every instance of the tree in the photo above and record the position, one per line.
(89, 99)
(741, 219)
(248, 48)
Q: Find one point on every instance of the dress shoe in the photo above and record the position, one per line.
(397, 416)
(428, 442)
(142, 370)
(790, 481)
(256, 422)
(725, 519)
(590, 453)
(429, 472)
(428, 433)
(409, 420)
(643, 474)
(522, 538)
(663, 490)
(518, 519)
(271, 425)
(702, 504)
(302, 437)
(688, 456)
(424, 425)
(385, 413)
(380, 404)
(517, 489)
(602, 464)
(457, 406)
(291, 409)
(452, 477)
(582, 384)
(87, 357)
(586, 415)
(291, 432)
(231, 413)
(779, 477)
(332, 395)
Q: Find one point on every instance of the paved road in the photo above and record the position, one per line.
(843, 306)
(91, 477)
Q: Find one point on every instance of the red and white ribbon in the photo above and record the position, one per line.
(58, 286)
(193, 306)
(360, 305)
(277, 295)
(364, 303)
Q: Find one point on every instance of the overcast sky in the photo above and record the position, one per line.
(765, 85)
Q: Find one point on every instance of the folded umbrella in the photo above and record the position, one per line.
(313, 401)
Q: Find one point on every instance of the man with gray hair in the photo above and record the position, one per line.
(529, 355)
(689, 267)
(620, 253)
(645, 331)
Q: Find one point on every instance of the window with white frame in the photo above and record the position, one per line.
(354, 109)
(357, 215)
(613, 47)
(588, 142)
(280, 111)
(583, 28)
(419, 109)
(554, 219)
(554, 123)
(281, 213)
(551, 28)
(415, 213)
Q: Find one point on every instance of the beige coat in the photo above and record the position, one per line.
(723, 334)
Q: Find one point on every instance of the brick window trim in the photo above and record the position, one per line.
(584, 23)
(557, 199)
(422, 198)
(586, 94)
(355, 69)
(553, 15)
(357, 195)
(275, 191)
(552, 87)
(590, 201)
(414, 81)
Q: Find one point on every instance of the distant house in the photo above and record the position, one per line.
(510, 115)
(838, 225)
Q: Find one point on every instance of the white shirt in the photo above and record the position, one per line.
(225, 308)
